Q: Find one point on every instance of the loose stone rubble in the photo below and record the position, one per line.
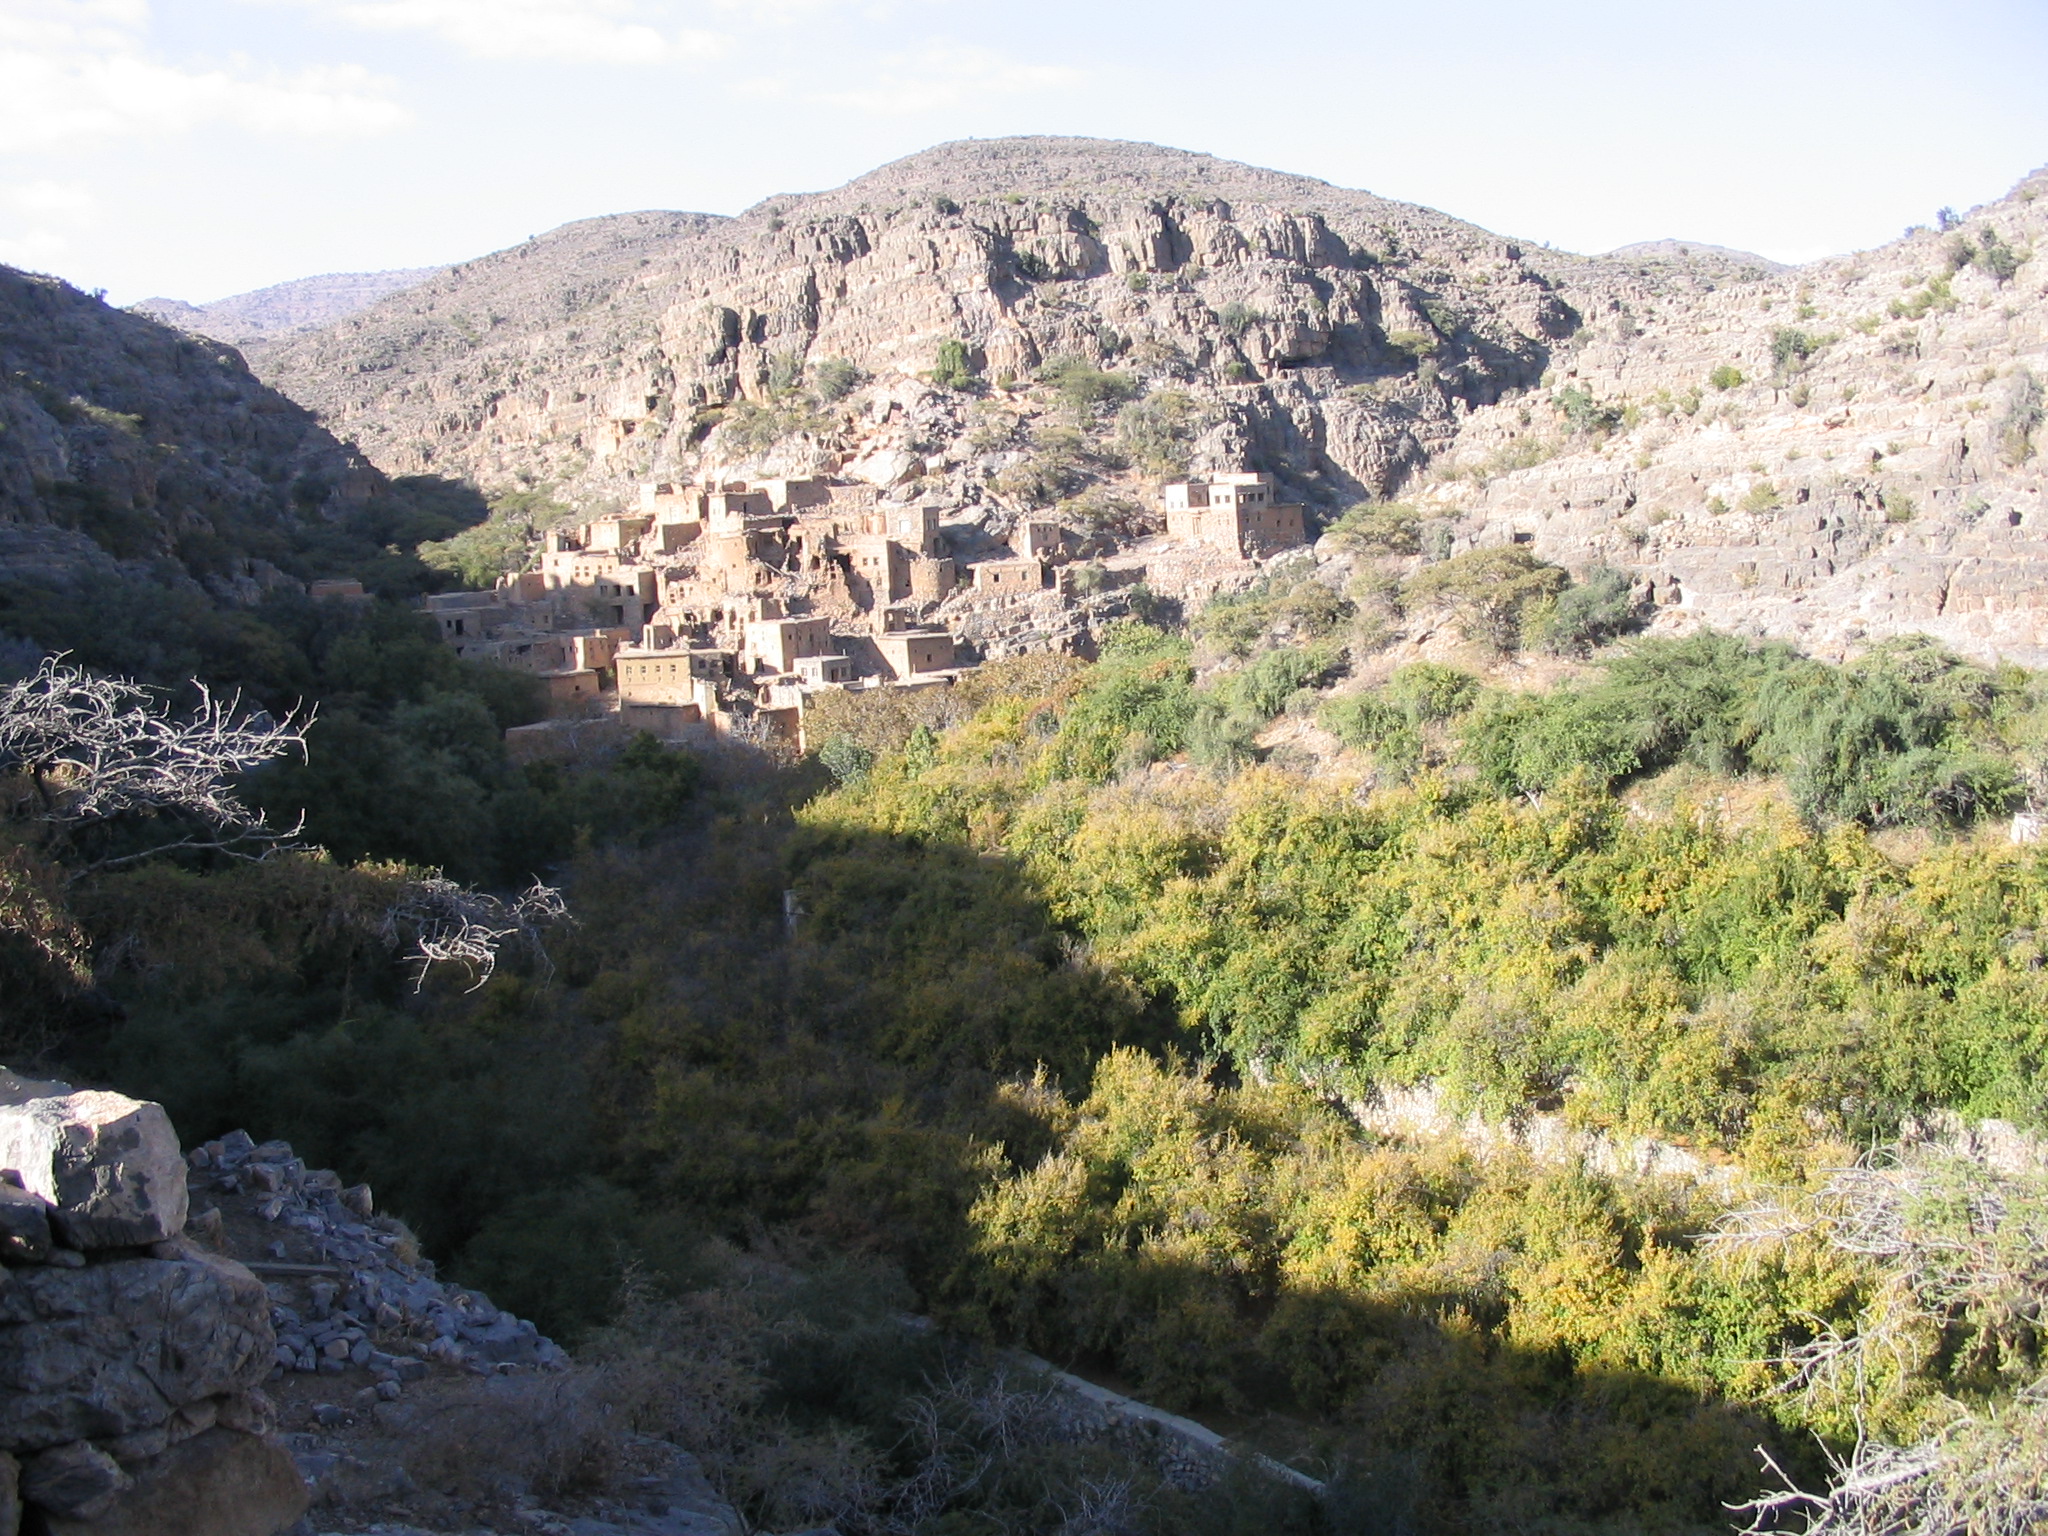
(381, 1306)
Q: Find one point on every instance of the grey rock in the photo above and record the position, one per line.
(24, 1226)
(114, 1348)
(215, 1484)
(109, 1164)
(10, 1495)
(249, 1413)
(78, 1481)
(140, 1446)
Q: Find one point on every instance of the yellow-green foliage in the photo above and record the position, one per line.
(1221, 1245)
(1667, 973)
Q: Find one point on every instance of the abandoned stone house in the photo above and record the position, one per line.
(724, 607)
(1021, 575)
(1236, 513)
(776, 645)
(914, 652)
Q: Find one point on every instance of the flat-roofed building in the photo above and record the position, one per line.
(1240, 514)
(1009, 576)
(776, 645)
(912, 652)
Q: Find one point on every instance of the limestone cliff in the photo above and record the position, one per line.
(1338, 335)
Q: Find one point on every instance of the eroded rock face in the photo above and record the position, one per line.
(108, 1165)
(115, 1348)
(219, 1483)
(78, 1481)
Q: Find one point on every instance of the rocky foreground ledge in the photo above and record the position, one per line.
(132, 1357)
(226, 1342)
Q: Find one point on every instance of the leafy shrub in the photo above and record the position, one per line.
(1583, 414)
(1158, 432)
(953, 367)
(1378, 528)
(1059, 465)
(501, 544)
(1527, 743)
(1488, 589)
(1725, 377)
(2021, 418)
(1761, 497)
(1935, 295)
(835, 378)
(1081, 386)
(1236, 318)
(1427, 691)
(1414, 345)
(1136, 708)
(1287, 601)
(1592, 611)
(1792, 349)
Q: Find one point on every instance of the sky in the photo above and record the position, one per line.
(199, 148)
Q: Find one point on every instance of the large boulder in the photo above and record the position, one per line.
(116, 1348)
(217, 1484)
(79, 1481)
(109, 1165)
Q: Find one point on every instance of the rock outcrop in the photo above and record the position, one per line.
(608, 350)
(123, 1345)
(109, 1167)
(1834, 453)
(1831, 452)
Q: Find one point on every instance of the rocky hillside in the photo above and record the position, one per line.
(304, 304)
(892, 330)
(1337, 334)
(1832, 453)
(124, 442)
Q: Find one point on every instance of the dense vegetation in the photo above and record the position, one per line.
(1051, 1006)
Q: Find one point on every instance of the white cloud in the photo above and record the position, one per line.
(37, 219)
(48, 197)
(590, 31)
(72, 70)
(37, 250)
(947, 75)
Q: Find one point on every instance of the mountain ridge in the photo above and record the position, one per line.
(302, 303)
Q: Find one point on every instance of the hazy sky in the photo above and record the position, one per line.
(197, 148)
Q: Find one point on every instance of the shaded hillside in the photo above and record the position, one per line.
(152, 491)
(127, 441)
(303, 304)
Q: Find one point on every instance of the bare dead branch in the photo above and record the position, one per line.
(438, 921)
(82, 749)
